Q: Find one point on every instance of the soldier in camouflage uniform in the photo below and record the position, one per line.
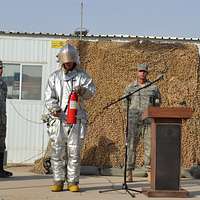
(139, 101)
(3, 94)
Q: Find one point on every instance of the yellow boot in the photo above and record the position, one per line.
(73, 187)
(130, 176)
(57, 186)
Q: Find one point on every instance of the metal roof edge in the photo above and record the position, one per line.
(95, 36)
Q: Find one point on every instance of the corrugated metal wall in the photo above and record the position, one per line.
(26, 135)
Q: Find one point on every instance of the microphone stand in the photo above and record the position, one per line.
(127, 97)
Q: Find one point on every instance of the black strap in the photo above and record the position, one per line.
(65, 108)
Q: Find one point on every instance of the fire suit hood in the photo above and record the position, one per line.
(68, 54)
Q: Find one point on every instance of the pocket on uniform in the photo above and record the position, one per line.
(52, 127)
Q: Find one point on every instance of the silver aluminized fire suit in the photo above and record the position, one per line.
(66, 139)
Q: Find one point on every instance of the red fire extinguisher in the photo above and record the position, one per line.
(71, 117)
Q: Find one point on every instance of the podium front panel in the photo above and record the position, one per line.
(168, 147)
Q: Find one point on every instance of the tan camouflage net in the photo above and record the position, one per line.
(112, 66)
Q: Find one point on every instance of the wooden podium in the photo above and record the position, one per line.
(166, 151)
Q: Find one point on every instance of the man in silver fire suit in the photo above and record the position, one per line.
(3, 117)
(139, 101)
(65, 138)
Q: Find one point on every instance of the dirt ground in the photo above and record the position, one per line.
(25, 185)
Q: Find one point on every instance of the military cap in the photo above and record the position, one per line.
(142, 67)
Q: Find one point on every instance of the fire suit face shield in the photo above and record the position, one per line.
(65, 58)
(68, 66)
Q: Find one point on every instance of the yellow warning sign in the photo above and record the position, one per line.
(57, 44)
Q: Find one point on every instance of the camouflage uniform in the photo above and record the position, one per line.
(3, 94)
(139, 101)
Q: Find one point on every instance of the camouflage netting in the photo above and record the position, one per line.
(113, 66)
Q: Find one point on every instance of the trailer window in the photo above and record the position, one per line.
(11, 75)
(23, 81)
(31, 82)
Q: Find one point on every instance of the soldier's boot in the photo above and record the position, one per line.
(3, 173)
(73, 187)
(130, 176)
(57, 186)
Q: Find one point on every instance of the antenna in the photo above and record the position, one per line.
(81, 31)
(81, 20)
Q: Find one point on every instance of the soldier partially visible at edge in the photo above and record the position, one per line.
(140, 101)
(3, 120)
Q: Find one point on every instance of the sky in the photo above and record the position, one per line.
(173, 18)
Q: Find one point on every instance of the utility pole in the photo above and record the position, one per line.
(81, 28)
